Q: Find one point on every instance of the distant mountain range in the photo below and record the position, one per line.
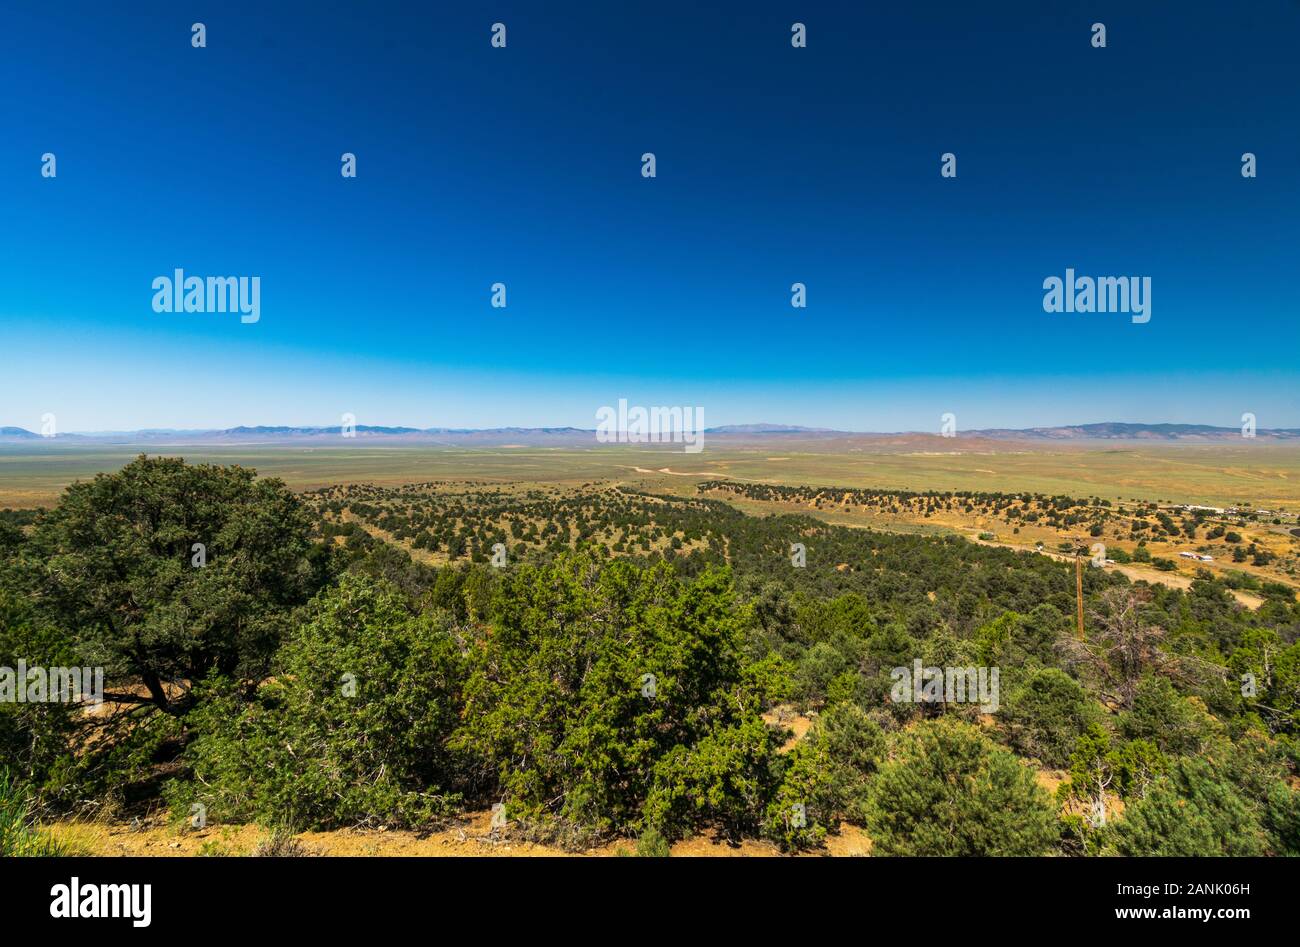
(572, 436)
(1115, 430)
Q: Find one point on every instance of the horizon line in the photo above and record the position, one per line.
(737, 428)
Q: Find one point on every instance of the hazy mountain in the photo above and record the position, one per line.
(769, 429)
(1114, 430)
(283, 431)
(572, 436)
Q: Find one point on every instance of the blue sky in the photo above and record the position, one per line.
(775, 165)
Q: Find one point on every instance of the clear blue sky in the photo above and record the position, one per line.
(775, 165)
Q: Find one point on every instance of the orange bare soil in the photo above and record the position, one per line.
(471, 837)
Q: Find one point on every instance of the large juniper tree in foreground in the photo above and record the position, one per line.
(165, 572)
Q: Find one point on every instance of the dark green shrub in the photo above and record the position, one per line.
(948, 790)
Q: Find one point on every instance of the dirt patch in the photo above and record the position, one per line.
(785, 716)
(472, 837)
(852, 842)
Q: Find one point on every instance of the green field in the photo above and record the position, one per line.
(1213, 474)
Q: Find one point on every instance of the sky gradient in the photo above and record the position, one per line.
(775, 165)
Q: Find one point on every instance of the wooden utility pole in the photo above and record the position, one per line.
(1078, 586)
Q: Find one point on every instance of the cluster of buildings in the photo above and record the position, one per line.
(1231, 510)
